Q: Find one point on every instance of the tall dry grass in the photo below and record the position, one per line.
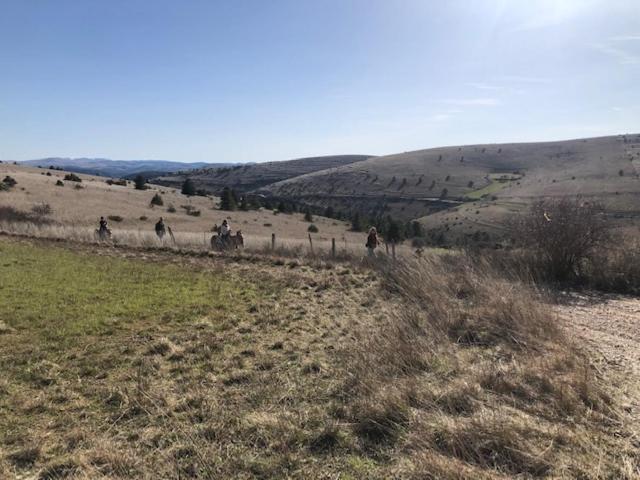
(471, 377)
(319, 250)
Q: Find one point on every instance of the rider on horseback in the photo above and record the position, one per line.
(103, 225)
(160, 228)
(225, 232)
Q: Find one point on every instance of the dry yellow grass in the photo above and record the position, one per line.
(80, 210)
(436, 369)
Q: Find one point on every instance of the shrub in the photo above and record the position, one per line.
(312, 228)
(42, 209)
(191, 210)
(115, 218)
(122, 182)
(171, 209)
(77, 186)
(59, 183)
(157, 200)
(615, 267)
(560, 235)
(72, 177)
(9, 181)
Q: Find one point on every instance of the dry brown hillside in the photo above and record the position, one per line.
(250, 177)
(78, 205)
(478, 184)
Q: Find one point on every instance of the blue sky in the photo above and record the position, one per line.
(275, 79)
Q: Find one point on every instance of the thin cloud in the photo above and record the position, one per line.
(623, 56)
(484, 86)
(524, 79)
(472, 102)
(625, 38)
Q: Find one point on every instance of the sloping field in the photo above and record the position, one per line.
(253, 176)
(485, 179)
(139, 364)
(79, 206)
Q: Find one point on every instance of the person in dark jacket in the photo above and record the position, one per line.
(372, 242)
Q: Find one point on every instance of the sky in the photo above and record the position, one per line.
(262, 80)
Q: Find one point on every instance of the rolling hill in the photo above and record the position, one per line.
(477, 186)
(249, 177)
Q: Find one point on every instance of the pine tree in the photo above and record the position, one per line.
(356, 222)
(394, 231)
(307, 216)
(140, 182)
(188, 187)
(227, 200)
(329, 212)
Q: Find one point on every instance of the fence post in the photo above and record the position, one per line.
(273, 241)
(333, 248)
(393, 250)
(310, 243)
(386, 247)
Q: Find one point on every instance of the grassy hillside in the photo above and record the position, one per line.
(191, 367)
(79, 205)
(251, 177)
(487, 181)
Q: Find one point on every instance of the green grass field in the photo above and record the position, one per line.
(166, 366)
(55, 293)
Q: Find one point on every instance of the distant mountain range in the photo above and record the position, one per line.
(120, 168)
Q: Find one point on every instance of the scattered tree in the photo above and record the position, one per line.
(140, 183)
(188, 187)
(307, 216)
(228, 200)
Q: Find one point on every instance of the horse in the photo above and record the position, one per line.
(161, 232)
(233, 242)
(102, 234)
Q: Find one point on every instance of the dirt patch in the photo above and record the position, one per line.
(609, 327)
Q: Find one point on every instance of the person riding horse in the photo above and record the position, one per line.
(160, 228)
(103, 231)
(225, 232)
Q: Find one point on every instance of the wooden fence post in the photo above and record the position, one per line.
(273, 241)
(386, 247)
(310, 243)
(333, 248)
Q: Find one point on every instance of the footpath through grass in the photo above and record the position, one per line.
(54, 293)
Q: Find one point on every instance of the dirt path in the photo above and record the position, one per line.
(609, 325)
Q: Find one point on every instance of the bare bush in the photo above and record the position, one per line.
(42, 209)
(560, 235)
(615, 267)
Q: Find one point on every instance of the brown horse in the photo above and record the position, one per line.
(233, 242)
